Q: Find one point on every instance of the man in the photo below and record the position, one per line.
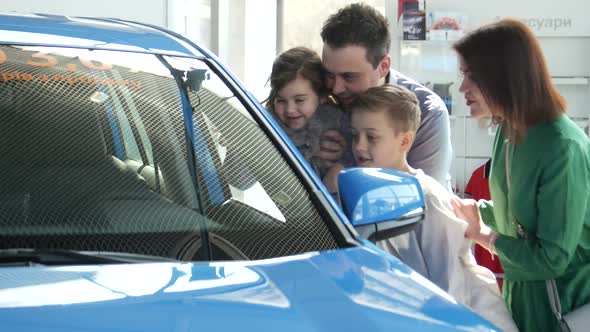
(356, 57)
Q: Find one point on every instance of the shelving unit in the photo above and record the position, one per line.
(434, 62)
(570, 80)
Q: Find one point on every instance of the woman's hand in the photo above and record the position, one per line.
(468, 210)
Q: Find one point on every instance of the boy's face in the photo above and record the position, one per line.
(375, 142)
(348, 72)
(296, 103)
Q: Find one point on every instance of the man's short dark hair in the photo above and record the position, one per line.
(362, 25)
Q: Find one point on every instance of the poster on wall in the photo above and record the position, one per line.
(414, 20)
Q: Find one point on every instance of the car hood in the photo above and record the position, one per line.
(351, 289)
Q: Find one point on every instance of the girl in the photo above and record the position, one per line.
(300, 103)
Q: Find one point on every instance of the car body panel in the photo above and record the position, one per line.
(351, 289)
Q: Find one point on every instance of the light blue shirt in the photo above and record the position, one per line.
(431, 151)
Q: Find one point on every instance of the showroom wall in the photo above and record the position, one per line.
(241, 32)
(564, 34)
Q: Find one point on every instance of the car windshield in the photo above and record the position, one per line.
(97, 157)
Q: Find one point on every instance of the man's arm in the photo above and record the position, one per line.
(432, 150)
(332, 147)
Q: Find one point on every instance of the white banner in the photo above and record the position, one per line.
(547, 18)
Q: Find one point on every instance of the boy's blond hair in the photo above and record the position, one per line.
(399, 103)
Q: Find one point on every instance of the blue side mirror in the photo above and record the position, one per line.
(380, 203)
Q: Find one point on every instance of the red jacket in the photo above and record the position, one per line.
(478, 188)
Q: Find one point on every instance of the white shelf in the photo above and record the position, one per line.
(473, 156)
(428, 42)
(570, 80)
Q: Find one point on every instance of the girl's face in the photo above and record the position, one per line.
(475, 101)
(296, 103)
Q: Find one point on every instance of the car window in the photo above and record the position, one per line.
(127, 135)
(102, 152)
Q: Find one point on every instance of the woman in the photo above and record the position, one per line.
(539, 222)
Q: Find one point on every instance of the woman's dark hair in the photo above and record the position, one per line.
(297, 61)
(505, 60)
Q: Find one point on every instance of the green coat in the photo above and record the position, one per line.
(550, 198)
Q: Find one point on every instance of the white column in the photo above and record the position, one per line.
(260, 44)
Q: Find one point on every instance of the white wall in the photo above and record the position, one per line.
(192, 19)
(562, 26)
(260, 44)
(245, 40)
(481, 11)
(244, 37)
(564, 34)
(147, 11)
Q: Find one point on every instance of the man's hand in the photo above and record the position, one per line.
(331, 179)
(332, 146)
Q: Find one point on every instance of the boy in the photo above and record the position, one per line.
(384, 122)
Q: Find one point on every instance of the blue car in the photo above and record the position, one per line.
(142, 188)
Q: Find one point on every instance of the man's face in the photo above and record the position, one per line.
(348, 72)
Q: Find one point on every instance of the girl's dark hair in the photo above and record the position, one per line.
(505, 60)
(297, 61)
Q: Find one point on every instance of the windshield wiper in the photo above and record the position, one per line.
(31, 257)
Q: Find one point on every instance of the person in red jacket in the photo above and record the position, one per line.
(478, 187)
